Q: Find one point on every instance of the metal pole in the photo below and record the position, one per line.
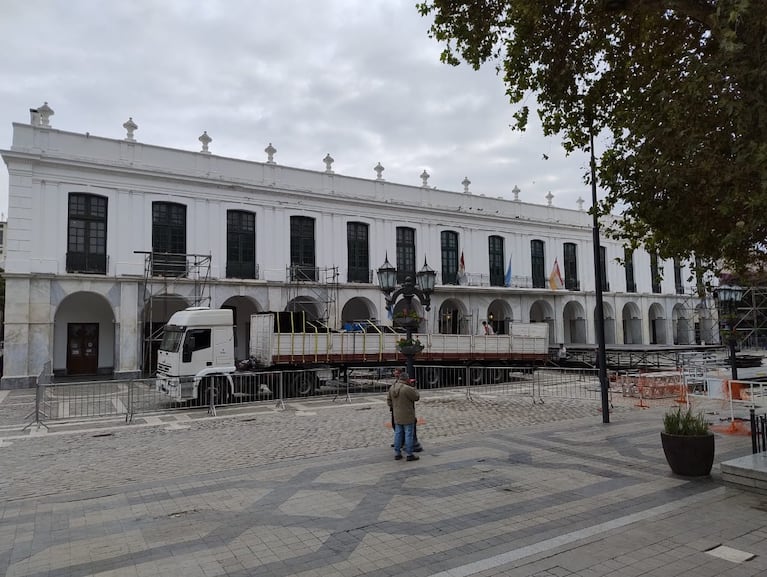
(600, 313)
(732, 341)
(409, 362)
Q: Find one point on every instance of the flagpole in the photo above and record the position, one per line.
(600, 313)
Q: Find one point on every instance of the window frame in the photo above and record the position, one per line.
(87, 233)
(449, 254)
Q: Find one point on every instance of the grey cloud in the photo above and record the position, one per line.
(357, 78)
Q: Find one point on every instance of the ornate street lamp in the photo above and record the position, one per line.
(421, 288)
(728, 298)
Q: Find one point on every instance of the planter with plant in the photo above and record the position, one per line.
(409, 346)
(406, 318)
(687, 442)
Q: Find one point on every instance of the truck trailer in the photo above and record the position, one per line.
(196, 355)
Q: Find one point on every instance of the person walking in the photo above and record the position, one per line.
(401, 398)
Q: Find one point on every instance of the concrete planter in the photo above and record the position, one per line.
(689, 455)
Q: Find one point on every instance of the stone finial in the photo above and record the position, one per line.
(44, 112)
(466, 182)
(379, 171)
(515, 192)
(206, 140)
(328, 160)
(425, 179)
(270, 152)
(549, 197)
(130, 127)
(580, 202)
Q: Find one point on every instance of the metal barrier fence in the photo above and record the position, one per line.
(758, 432)
(80, 400)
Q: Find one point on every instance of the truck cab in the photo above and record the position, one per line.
(197, 342)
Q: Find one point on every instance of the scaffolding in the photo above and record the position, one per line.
(751, 319)
(315, 291)
(699, 310)
(167, 278)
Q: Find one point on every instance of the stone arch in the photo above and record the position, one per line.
(574, 323)
(682, 325)
(84, 340)
(657, 324)
(453, 318)
(609, 314)
(706, 325)
(541, 311)
(500, 315)
(358, 309)
(242, 308)
(306, 304)
(632, 324)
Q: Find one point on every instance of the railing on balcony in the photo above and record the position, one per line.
(81, 262)
(242, 270)
(303, 273)
(359, 275)
(169, 264)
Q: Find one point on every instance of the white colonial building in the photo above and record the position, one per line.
(106, 238)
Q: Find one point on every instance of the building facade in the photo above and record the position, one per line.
(106, 238)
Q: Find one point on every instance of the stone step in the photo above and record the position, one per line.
(748, 473)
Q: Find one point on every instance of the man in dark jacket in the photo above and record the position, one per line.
(401, 399)
(401, 374)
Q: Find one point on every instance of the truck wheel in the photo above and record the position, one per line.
(303, 384)
(476, 375)
(496, 375)
(220, 391)
(429, 377)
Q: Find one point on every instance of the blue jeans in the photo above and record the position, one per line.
(403, 432)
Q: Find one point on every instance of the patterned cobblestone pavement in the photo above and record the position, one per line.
(505, 487)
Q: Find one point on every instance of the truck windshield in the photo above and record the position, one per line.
(171, 339)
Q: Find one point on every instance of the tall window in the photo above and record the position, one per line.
(655, 273)
(678, 284)
(571, 267)
(628, 260)
(495, 256)
(537, 264)
(168, 239)
(240, 244)
(87, 234)
(358, 255)
(603, 269)
(302, 259)
(405, 253)
(449, 243)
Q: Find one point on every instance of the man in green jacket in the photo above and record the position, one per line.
(401, 399)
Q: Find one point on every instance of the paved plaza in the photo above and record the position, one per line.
(504, 486)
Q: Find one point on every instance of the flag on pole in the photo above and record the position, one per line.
(507, 278)
(555, 278)
(461, 271)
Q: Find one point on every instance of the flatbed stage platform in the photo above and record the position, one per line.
(638, 357)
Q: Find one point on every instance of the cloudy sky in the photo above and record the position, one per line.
(358, 79)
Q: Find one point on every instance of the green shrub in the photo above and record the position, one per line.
(678, 422)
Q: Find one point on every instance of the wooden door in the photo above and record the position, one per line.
(82, 348)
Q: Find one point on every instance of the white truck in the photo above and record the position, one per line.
(196, 356)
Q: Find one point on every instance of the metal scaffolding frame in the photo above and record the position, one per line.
(163, 273)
